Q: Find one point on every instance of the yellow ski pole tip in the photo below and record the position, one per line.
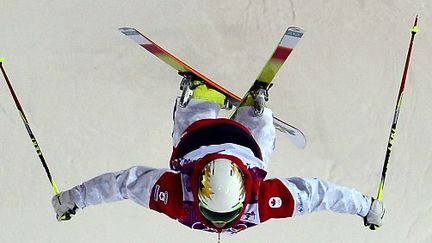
(2, 60)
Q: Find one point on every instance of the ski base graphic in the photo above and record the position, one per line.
(283, 50)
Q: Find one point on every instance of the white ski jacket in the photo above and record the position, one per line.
(198, 134)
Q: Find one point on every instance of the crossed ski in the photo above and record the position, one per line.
(284, 48)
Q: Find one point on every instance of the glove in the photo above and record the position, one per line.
(64, 206)
(374, 218)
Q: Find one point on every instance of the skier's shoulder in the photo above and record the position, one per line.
(275, 200)
(167, 194)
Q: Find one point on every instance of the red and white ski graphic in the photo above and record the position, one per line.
(266, 76)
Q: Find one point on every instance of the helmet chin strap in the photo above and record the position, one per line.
(219, 238)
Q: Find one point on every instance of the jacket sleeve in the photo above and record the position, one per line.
(312, 195)
(296, 196)
(135, 183)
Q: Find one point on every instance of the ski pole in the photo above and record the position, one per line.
(414, 30)
(30, 133)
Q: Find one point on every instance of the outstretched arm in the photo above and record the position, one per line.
(135, 183)
(282, 197)
(312, 195)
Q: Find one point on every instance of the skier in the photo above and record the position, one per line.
(216, 181)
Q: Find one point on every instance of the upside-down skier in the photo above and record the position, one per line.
(217, 176)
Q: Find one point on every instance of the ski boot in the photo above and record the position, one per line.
(257, 98)
(193, 87)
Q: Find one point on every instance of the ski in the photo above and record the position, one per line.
(285, 46)
(264, 81)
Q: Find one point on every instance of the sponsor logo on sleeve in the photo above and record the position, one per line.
(160, 196)
(275, 202)
(300, 207)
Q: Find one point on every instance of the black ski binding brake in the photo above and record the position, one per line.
(187, 85)
(260, 96)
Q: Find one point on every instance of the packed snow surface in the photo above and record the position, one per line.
(97, 102)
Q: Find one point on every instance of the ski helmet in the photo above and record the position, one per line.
(221, 191)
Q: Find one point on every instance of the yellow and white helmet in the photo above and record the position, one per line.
(221, 191)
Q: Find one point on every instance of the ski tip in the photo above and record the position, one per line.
(2, 60)
(295, 31)
(126, 29)
(294, 28)
(295, 135)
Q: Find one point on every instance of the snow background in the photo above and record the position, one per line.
(97, 102)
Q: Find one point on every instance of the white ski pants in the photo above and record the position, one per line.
(262, 127)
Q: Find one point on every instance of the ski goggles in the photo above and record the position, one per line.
(220, 218)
